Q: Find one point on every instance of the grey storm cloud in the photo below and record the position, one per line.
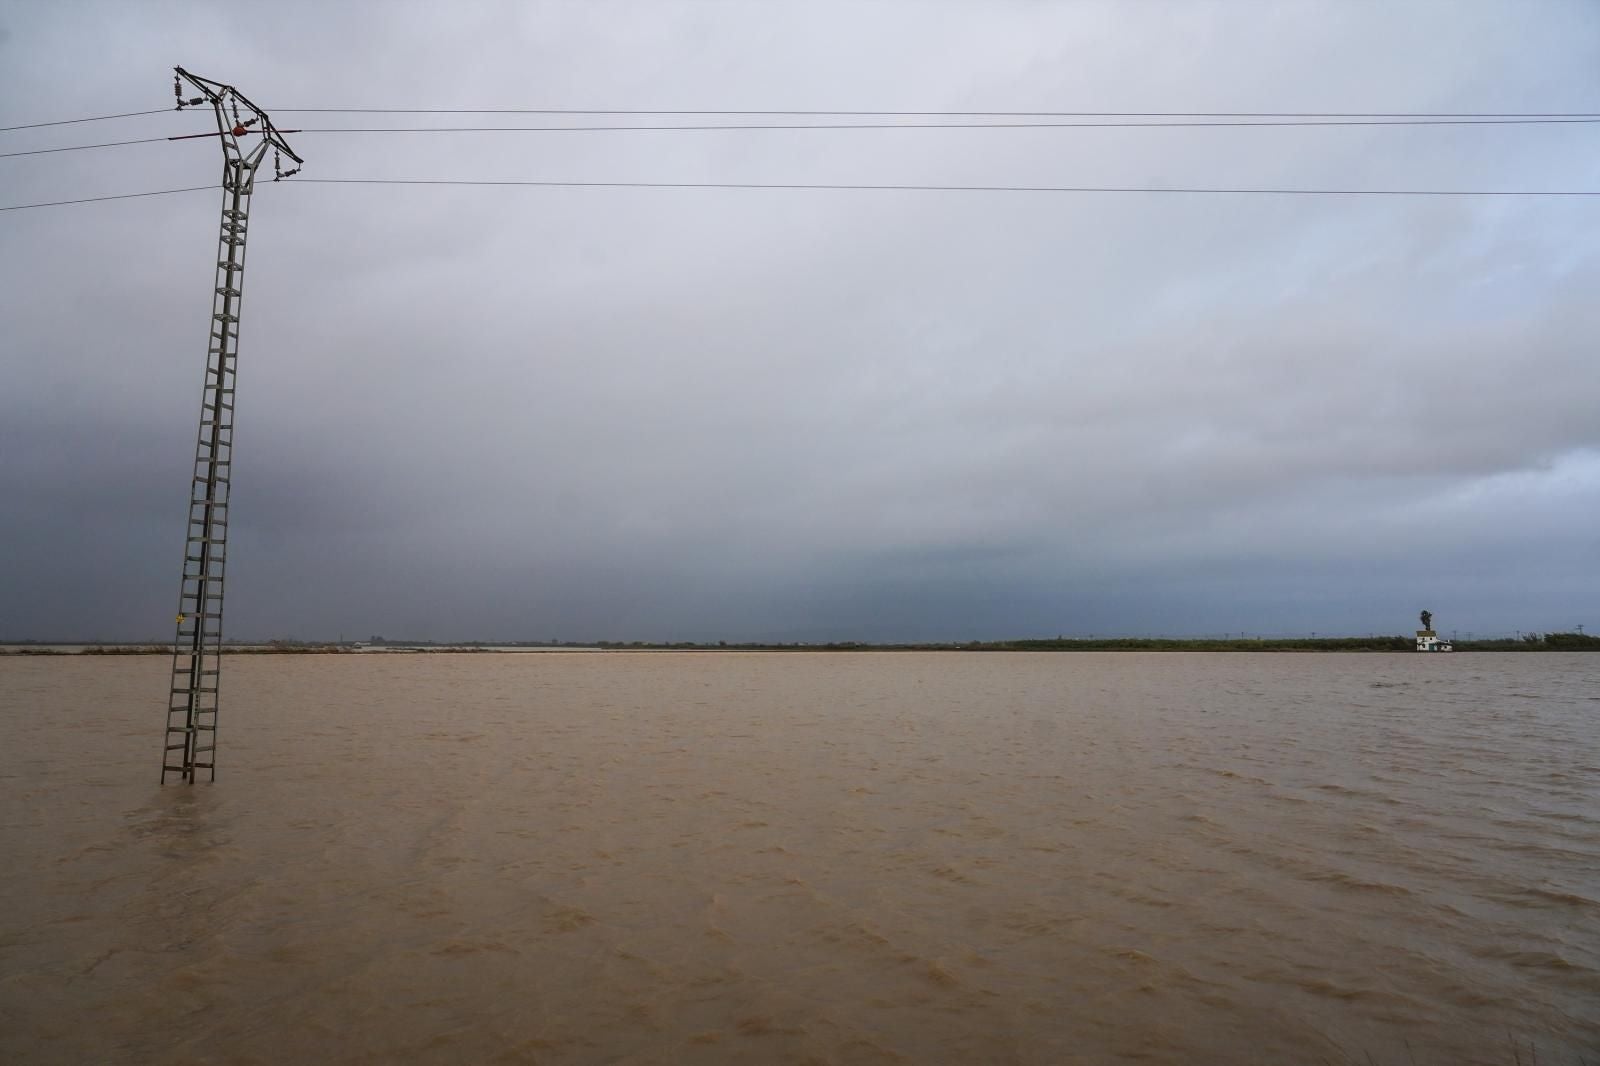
(580, 413)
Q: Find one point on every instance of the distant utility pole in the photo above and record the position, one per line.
(191, 742)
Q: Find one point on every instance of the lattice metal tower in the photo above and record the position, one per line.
(191, 742)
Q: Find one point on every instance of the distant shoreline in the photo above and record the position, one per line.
(1532, 642)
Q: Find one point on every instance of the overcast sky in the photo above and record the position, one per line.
(669, 414)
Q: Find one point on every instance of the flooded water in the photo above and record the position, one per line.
(808, 858)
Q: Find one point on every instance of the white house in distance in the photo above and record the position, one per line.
(1427, 639)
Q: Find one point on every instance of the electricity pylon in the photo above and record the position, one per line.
(191, 742)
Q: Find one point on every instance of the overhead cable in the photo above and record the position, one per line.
(937, 114)
(91, 118)
(1482, 115)
(711, 127)
(1204, 124)
(83, 147)
(98, 199)
(1190, 190)
(844, 187)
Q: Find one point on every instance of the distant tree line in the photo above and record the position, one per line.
(1535, 642)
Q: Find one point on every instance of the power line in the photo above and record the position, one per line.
(844, 187)
(853, 187)
(855, 126)
(709, 127)
(1481, 115)
(91, 118)
(1239, 124)
(98, 199)
(83, 147)
(940, 114)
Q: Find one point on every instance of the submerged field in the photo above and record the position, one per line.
(805, 857)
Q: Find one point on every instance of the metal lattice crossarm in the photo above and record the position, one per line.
(191, 736)
(228, 101)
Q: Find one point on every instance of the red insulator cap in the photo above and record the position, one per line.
(239, 131)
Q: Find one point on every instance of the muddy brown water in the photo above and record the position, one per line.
(808, 858)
